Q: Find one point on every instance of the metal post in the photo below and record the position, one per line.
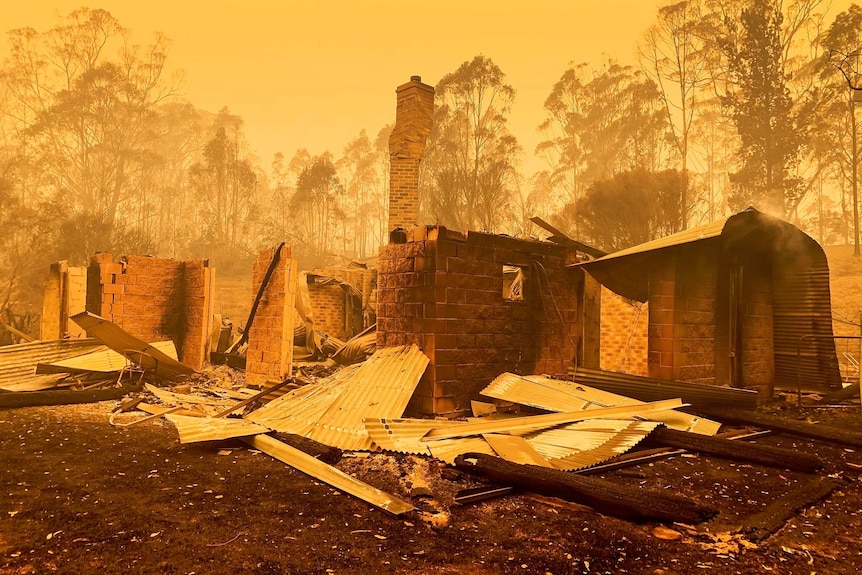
(855, 156)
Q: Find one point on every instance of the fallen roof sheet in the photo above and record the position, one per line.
(18, 362)
(298, 410)
(564, 396)
(569, 446)
(204, 403)
(651, 389)
(536, 422)
(515, 449)
(328, 474)
(194, 429)
(590, 442)
(333, 413)
(104, 361)
(130, 346)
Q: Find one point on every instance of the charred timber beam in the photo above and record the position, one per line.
(761, 525)
(600, 494)
(736, 450)
(324, 453)
(63, 397)
(825, 433)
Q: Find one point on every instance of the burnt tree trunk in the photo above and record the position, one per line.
(600, 494)
(761, 525)
(63, 396)
(736, 450)
(825, 433)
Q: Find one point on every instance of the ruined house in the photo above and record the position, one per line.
(743, 301)
(477, 304)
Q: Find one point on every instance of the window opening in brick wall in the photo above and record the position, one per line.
(513, 283)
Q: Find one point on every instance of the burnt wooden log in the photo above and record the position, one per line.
(63, 396)
(761, 525)
(735, 450)
(819, 432)
(324, 453)
(600, 494)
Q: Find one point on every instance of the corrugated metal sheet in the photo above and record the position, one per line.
(18, 362)
(400, 435)
(205, 403)
(548, 420)
(800, 287)
(565, 396)
(570, 446)
(649, 389)
(448, 449)
(104, 361)
(801, 305)
(380, 388)
(193, 429)
(125, 343)
(515, 449)
(299, 409)
(593, 441)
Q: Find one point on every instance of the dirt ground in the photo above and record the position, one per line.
(80, 496)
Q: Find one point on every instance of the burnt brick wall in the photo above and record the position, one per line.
(624, 326)
(156, 299)
(414, 116)
(443, 291)
(270, 342)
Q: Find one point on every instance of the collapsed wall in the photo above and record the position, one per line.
(156, 299)
(478, 305)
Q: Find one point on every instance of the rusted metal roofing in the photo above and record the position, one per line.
(558, 395)
(18, 362)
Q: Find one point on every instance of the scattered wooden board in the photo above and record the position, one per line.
(328, 474)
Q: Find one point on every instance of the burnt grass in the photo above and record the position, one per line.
(79, 496)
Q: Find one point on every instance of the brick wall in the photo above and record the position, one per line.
(65, 294)
(414, 116)
(758, 350)
(682, 315)
(443, 291)
(156, 299)
(624, 326)
(327, 303)
(269, 357)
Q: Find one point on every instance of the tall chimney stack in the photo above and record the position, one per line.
(414, 116)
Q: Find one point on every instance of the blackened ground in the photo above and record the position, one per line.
(78, 496)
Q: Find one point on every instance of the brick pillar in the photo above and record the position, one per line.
(414, 116)
(270, 341)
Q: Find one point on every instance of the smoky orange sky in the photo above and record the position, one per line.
(313, 74)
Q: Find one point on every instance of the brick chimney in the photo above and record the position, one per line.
(414, 116)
